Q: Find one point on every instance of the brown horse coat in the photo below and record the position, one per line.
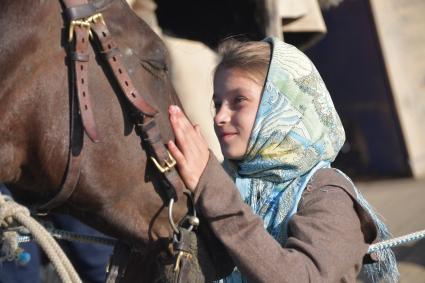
(118, 191)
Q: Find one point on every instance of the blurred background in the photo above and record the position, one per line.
(371, 55)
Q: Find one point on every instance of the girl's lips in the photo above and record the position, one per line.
(226, 136)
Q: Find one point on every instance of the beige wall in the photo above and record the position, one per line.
(192, 64)
(401, 32)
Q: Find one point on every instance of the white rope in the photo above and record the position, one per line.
(76, 237)
(396, 241)
(10, 211)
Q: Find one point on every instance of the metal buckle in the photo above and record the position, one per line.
(180, 255)
(84, 23)
(96, 18)
(170, 163)
(75, 23)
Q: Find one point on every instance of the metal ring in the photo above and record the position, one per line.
(170, 216)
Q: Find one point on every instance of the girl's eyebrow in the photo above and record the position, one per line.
(233, 92)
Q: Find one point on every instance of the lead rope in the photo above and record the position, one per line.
(88, 239)
(10, 211)
(396, 241)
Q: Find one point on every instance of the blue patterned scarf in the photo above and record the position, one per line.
(296, 132)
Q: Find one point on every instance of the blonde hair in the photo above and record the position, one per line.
(252, 57)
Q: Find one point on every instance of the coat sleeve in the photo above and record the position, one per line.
(325, 236)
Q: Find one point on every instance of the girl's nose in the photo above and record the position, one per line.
(222, 115)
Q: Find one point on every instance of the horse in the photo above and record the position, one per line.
(119, 191)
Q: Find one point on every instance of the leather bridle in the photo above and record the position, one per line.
(86, 23)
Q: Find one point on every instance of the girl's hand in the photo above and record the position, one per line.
(190, 150)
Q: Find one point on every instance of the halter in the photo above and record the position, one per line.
(86, 23)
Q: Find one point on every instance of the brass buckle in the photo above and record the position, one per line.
(84, 23)
(170, 163)
(96, 18)
(180, 255)
(79, 23)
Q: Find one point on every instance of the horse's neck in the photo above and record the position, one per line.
(26, 43)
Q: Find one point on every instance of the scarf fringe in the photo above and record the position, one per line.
(386, 268)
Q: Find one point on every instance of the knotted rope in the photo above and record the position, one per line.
(10, 211)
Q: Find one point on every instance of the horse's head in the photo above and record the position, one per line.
(119, 191)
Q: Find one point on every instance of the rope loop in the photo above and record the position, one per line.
(9, 208)
(11, 212)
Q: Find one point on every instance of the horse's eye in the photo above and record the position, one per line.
(156, 65)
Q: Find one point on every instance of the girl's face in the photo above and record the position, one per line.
(236, 99)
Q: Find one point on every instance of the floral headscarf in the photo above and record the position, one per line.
(296, 132)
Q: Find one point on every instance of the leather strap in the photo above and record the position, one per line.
(76, 10)
(76, 140)
(80, 60)
(185, 247)
(79, 94)
(174, 186)
(113, 56)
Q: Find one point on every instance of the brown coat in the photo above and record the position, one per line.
(328, 236)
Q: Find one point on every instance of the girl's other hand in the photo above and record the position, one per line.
(190, 150)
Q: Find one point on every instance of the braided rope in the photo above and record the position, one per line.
(10, 211)
(71, 236)
(75, 237)
(396, 241)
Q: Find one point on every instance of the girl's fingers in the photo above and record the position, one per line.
(183, 129)
(176, 153)
(177, 125)
(190, 149)
(181, 118)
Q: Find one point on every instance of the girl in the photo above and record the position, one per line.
(286, 216)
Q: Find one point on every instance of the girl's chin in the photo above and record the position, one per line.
(232, 155)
